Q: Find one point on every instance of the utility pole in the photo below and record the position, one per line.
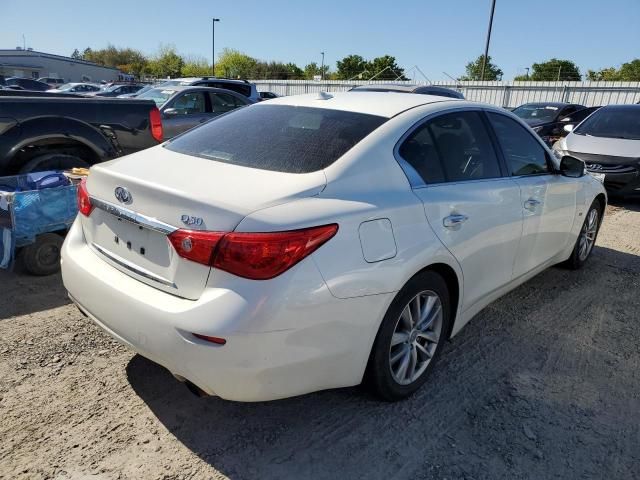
(527, 69)
(322, 67)
(486, 48)
(213, 45)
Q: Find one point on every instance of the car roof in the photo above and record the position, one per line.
(549, 104)
(383, 104)
(204, 79)
(183, 88)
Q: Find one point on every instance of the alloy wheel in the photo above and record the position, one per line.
(588, 235)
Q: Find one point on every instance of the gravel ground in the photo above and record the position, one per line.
(544, 383)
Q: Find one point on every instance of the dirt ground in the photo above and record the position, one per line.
(544, 383)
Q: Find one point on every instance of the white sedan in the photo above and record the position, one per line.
(321, 240)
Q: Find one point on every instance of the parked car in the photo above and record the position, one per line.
(575, 118)
(118, 89)
(608, 141)
(26, 84)
(242, 87)
(183, 108)
(367, 230)
(268, 95)
(144, 89)
(421, 89)
(51, 81)
(546, 118)
(77, 88)
(49, 132)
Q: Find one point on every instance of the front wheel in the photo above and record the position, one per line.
(587, 237)
(410, 337)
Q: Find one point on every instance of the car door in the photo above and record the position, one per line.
(472, 208)
(547, 200)
(188, 109)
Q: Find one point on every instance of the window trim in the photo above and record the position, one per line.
(552, 170)
(415, 179)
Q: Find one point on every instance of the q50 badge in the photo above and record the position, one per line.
(190, 220)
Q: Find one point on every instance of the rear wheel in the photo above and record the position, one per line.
(587, 237)
(43, 256)
(53, 161)
(410, 337)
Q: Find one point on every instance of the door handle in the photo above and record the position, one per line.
(453, 221)
(531, 204)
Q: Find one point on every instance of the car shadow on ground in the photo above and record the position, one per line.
(22, 293)
(628, 203)
(512, 394)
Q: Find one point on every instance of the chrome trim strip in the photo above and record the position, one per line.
(133, 217)
(138, 271)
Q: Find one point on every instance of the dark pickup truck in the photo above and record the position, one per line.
(47, 132)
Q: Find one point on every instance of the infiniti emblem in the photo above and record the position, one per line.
(123, 195)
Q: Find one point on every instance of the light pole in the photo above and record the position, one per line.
(486, 48)
(213, 46)
(322, 67)
(527, 69)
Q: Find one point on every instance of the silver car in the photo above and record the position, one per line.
(183, 108)
(608, 141)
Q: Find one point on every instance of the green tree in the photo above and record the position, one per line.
(86, 53)
(235, 64)
(313, 69)
(166, 63)
(555, 69)
(76, 54)
(350, 67)
(630, 71)
(196, 67)
(385, 68)
(474, 70)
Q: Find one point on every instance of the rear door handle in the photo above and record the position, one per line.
(453, 221)
(531, 204)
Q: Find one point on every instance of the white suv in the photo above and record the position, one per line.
(367, 230)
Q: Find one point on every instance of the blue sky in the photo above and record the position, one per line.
(436, 35)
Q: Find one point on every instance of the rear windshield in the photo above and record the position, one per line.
(613, 122)
(545, 113)
(281, 138)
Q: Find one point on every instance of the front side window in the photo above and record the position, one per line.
(453, 147)
(190, 103)
(523, 153)
(300, 139)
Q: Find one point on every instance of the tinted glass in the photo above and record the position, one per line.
(223, 102)
(544, 113)
(420, 152)
(281, 138)
(523, 153)
(190, 103)
(613, 122)
(464, 147)
(240, 88)
(580, 115)
(158, 95)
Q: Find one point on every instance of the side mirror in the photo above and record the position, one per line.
(568, 128)
(572, 167)
(170, 112)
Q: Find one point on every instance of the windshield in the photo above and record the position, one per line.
(613, 122)
(545, 113)
(300, 139)
(158, 95)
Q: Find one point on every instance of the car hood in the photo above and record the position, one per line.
(615, 147)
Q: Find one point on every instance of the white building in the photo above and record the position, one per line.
(31, 64)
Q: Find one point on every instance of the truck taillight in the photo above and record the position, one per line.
(257, 256)
(155, 119)
(84, 201)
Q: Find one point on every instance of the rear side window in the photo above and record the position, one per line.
(224, 102)
(523, 153)
(281, 138)
(454, 147)
(240, 88)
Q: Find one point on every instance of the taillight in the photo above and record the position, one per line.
(84, 201)
(194, 245)
(257, 256)
(155, 119)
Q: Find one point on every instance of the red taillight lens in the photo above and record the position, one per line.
(208, 338)
(155, 120)
(195, 245)
(257, 256)
(261, 256)
(84, 202)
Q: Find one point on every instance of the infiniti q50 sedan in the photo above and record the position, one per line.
(368, 230)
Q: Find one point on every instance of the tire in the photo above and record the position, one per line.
(53, 161)
(385, 368)
(43, 256)
(588, 233)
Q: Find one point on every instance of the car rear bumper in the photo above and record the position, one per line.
(287, 337)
